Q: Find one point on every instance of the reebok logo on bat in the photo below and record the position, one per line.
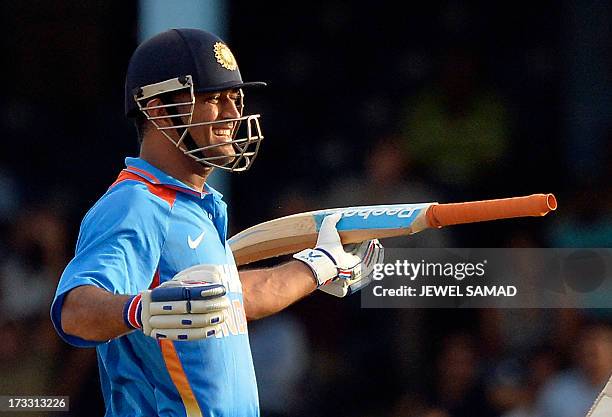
(195, 243)
(367, 212)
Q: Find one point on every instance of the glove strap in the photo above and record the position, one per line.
(321, 263)
(132, 312)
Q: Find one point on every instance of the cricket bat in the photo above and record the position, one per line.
(291, 234)
(603, 404)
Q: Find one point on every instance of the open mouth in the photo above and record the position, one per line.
(224, 134)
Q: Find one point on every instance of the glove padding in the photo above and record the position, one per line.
(188, 307)
(331, 264)
(371, 252)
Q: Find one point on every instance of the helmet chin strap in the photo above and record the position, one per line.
(190, 144)
(188, 140)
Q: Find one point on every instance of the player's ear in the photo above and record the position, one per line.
(183, 97)
(159, 112)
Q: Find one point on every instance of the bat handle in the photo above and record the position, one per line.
(535, 205)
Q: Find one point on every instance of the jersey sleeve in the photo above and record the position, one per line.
(118, 248)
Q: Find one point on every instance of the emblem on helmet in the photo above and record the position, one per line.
(225, 57)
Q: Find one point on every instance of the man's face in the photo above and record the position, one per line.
(210, 107)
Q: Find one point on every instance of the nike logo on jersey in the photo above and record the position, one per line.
(194, 243)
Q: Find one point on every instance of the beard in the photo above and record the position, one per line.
(214, 149)
(224, 154)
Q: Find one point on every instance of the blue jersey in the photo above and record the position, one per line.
(146, 228)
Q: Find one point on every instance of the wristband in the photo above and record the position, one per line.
(132, 312)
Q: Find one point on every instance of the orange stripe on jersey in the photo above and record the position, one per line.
(145, 173)
(177, 373)
(156, 280)
(163, 192)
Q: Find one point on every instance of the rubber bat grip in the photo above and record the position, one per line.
(440, 215)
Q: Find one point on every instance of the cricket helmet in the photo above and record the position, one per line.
(194, 61)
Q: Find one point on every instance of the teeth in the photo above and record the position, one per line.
(222, 132)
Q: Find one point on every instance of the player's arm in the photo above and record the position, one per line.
(190, 306)
(270, 290)
(327, 267)
(92, 313)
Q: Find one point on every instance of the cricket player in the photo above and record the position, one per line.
(153, 284)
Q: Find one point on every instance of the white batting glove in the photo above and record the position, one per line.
(371, 252)
(188, 307)
(329, 261)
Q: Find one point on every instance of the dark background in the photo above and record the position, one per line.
(366, 104)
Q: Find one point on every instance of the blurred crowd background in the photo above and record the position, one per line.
(368, 103)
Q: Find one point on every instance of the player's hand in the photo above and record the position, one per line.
(188, 307)
(370, 252)
(331, 264)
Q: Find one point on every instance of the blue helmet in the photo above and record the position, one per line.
(195, 61)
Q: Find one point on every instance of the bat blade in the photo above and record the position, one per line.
(603, 404)
(293, 233)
